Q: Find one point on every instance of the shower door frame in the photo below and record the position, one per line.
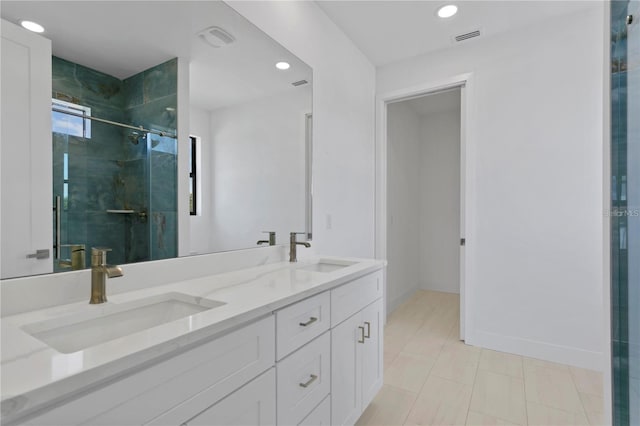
(467, 183)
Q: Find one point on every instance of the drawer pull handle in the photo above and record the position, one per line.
(368, 335)
(308, 382)
(361, 340)
(311, 321)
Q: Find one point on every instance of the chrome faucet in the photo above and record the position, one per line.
(293, 253)
(271, 240)
(99, 273)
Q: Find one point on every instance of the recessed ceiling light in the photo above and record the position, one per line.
(283, 65)
(447, 11)
(32, 26)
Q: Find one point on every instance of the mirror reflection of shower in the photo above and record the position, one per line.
(109, 137)
(135, 137)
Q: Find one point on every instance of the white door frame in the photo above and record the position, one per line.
(467, 183)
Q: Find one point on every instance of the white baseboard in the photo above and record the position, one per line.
(392, 304)
(536, 349)
(439, 287)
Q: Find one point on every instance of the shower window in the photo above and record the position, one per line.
(68, 118)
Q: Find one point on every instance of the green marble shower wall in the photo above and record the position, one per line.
(152, 102)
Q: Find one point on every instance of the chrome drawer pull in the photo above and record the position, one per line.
(311, 321)
(311, 380)
(39, 254)
(361, 340)
(368, 335)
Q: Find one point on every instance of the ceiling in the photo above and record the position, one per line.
(123, 38)
(445, 101)
(389, 31)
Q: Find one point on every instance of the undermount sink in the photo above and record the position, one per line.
(327, 265)
(76, 332)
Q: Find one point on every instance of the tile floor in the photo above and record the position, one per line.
(431, 378)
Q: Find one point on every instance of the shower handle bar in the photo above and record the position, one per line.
(115, 123)
(57, 208)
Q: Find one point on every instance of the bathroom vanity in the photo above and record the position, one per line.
(282, 343)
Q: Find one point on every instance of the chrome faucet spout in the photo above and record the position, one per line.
(100, 271)
(272, 238)
(112, 271)
(293, 245)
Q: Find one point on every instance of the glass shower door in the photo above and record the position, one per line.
(625, 210)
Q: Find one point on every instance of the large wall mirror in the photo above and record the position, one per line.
(121, 127)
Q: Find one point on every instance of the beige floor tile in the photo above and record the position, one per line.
(408, 372)
(424, 345)
(552, 386)
(500, 396)
(479, 419)
(587, 381)
(593, 407)
(502, 363)
(435, 328)
(394, 343)
(390, 407)
(441, 402)
(457, 362)
(541, 415)
(388, 358)
(402, 328)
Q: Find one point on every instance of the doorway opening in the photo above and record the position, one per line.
(422, 191)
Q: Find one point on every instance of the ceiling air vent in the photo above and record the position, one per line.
(467, 36)
(300, 83)
(216, 36)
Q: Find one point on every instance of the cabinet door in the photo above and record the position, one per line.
(253, 404)
(25, 152)
(320, 416)
(304, 380)
(372, 365)
(346, 371)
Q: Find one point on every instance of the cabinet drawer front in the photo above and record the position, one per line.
(253, 404)
(217, 367)
(304, 380)
(302, 322)
(348, 299)
(320, 416)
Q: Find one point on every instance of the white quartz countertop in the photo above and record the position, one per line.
(35, 375)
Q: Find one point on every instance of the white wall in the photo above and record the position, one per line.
(403, 207)
(257, 181)
(343, 109)
(536, 126)
(200, 226)
(440, 201)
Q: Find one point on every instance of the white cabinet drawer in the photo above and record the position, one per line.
(202, 375)
(320, 416)
(304, 380)
(350, 298)
(252, 404)
(302, 322)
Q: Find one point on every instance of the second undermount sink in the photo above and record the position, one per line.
(92, 327)
(326, 265)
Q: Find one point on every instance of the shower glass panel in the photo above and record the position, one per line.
(625, 210)
(113, 180)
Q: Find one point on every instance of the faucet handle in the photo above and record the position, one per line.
(99, 255)
(271, 240)
(100, 250)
